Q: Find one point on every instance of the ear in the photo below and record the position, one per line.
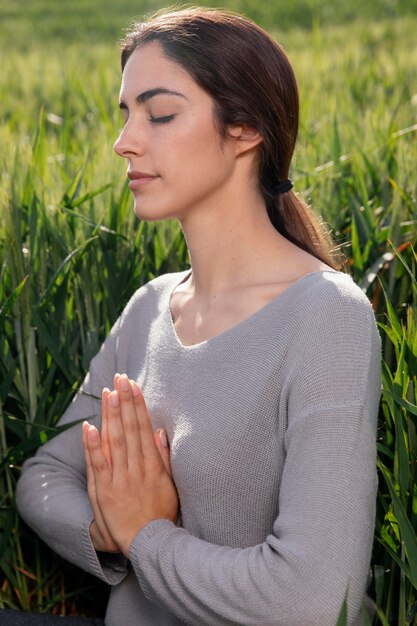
(247, 137)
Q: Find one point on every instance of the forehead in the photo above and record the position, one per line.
(148, 67)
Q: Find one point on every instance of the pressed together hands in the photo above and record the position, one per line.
(129, 479)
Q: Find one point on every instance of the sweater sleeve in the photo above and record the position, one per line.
(319, 548)
(52, 492)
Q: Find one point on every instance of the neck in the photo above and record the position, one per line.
(231, 243)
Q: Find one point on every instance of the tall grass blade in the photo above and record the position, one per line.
(407, 532)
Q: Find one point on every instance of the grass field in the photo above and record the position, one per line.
(71, 251)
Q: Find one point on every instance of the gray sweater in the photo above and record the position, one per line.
(272, 428)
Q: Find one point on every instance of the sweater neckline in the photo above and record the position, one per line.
(245, 321)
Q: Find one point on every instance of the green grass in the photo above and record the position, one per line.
(72, 252)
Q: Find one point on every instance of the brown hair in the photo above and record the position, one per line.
(251, 81)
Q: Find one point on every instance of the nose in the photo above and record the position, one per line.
(117, 147)
(128, 142)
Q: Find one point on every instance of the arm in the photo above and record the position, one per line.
(52, 490)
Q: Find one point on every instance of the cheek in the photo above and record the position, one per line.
(201, 156)
(194, 142)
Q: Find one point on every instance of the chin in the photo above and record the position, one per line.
(153, 215)
(142, 215)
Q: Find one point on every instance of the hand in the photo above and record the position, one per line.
(100, 535)
(137, 486)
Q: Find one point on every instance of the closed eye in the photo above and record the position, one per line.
(162, 120)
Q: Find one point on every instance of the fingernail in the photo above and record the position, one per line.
(163, 438)
(93, 434)
(124, 382)
(114, 398)
(105, 392)
(135, 388)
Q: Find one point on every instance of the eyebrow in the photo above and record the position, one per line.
(151, 93)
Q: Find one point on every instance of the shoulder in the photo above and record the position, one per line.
(330, 312)
(331, 295)
(335, 347)
(334, 286)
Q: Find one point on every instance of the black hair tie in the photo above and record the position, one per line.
(283, 186)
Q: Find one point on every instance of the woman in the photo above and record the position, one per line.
(231, 479)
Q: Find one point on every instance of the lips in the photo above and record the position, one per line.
(138, 179)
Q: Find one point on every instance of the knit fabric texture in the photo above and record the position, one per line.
(272, 431)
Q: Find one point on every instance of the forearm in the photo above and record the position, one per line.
(57, 508)
(269, 584)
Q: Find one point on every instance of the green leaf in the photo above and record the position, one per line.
(401, 564)
(392, 316)
(64, 268)
(403, 262)
(407, 532)
(342, 619)
(365, 616)
(402, 451)
(53, 347)
(336, 145)
(382, 617)
(384, 450)
(392, 334)
(73, 188)
(397, 395)
(356, 248)
(10, 300)
(39, 437)
(91, 194)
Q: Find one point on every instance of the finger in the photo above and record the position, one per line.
(99, 463)
(130, 421)
(115, 432)
(149, 449)
(84, 433)
(163, 449)
(108, 543)
(89, 471)
(104, 425)
(91, 483)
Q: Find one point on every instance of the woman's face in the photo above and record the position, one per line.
(173, 150)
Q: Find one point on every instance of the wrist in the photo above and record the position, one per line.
(126, 542)
(98, 541)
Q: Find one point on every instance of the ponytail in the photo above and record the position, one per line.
(295, 220)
